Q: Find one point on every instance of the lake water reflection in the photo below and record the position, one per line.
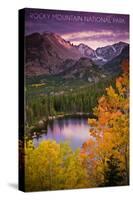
(74, 130)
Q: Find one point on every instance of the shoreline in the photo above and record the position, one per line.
(78, 114)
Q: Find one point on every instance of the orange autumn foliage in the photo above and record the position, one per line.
(110, 131)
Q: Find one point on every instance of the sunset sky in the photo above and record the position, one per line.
(93, 29)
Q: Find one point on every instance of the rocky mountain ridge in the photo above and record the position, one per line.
(50, 54)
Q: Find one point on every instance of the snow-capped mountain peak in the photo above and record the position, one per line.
(102, 54)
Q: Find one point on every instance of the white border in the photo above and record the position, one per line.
(9, 96)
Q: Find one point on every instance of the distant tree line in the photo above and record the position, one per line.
(82, 100)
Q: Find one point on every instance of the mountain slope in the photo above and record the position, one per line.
(102, 55)
(114, 65)
(107, 53)
(84, 69)
(86, 51)
(46, 52)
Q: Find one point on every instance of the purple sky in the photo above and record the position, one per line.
(93, 29)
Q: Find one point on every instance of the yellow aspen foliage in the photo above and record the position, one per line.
(53, 166)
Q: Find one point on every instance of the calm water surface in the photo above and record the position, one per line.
(73, 130)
